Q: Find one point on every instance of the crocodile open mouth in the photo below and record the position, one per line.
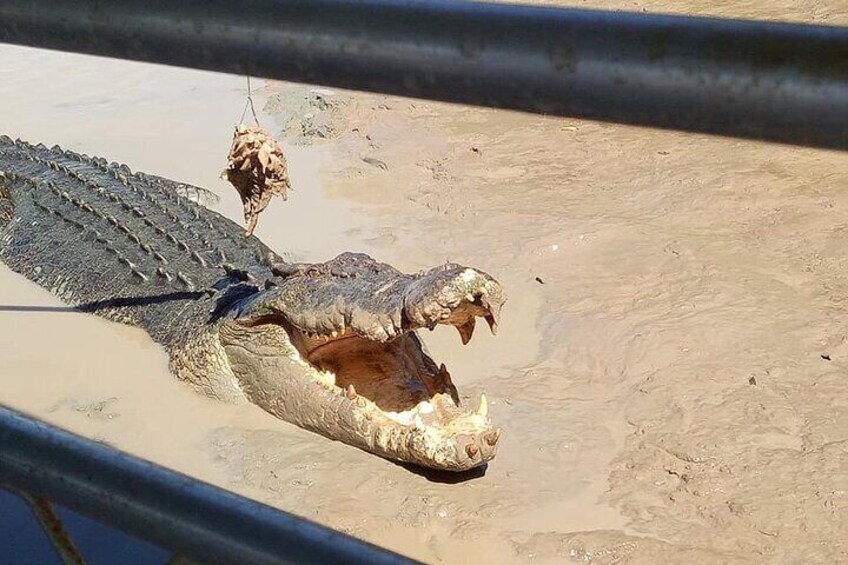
(370, 380)
(398, 382)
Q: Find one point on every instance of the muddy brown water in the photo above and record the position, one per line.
(670, 373)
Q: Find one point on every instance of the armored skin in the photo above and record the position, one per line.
(330, 347)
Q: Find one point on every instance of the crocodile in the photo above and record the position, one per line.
(331, 347)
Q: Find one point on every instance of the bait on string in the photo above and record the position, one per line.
(256, 166)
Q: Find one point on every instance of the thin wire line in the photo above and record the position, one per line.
(249, 104)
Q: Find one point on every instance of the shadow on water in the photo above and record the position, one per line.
(447, 477)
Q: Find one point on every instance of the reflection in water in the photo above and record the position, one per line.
(23, 541)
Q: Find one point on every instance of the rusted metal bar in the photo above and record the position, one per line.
(770, 81)
(53, 528)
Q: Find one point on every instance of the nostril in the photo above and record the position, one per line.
(472, 450)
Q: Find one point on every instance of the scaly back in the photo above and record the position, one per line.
(125, 245)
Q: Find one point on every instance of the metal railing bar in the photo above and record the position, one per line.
(172, 510)
(771, 81)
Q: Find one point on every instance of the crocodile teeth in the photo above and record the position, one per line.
(466, 330)
(351, 392)
(444, 376)
(493, 437)
(483, 410)
(327, 378)
(425, 408)
(493, 324)
(493, 316)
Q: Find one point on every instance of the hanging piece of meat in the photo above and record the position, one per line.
(257, 168)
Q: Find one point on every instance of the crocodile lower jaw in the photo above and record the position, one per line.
(388, 398)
